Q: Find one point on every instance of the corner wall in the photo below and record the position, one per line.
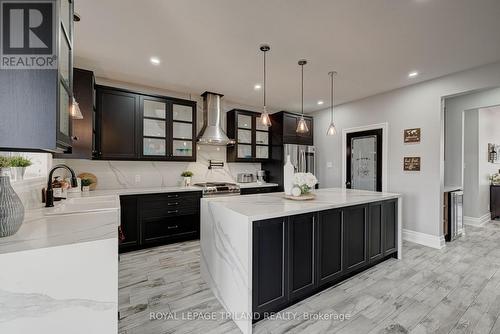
(414, 106)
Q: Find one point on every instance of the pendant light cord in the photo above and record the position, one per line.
(331, 96)
(302, 88)
(265, 80)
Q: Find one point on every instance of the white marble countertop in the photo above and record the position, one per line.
(271, 205)
(40, 230)
(158, 190)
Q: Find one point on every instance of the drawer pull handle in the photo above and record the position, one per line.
(175, 203)
(173, 211)
(172, 196)
(172, 227)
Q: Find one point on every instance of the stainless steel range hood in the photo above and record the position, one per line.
(212, 133)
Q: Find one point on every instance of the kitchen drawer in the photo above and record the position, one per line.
(167, 205)
(162, 229)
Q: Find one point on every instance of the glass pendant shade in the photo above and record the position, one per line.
(302, 126)
(264, 118)
(332, 131)
(76, 113)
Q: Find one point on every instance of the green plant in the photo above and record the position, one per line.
(4, 162)
(187, 173)
(19, 161)
(86, 182)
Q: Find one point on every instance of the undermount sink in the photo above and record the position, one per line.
(82, 205)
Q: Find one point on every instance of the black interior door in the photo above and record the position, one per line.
(364, 160)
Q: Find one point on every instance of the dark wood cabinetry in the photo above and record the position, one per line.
(270, 264)
(252, 138)
(284, 129)
(297, 256)
(136, 126)
(355, 237)
(156, 219)
(495, 201)
(330, 248)
(302, 255)
(116, 124)
(258, 190)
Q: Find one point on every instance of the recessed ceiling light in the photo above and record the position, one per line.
(412, 74)
(257, 87)
(320, 102)
(154, 60)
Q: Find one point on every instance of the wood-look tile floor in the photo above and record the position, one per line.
(453, 290)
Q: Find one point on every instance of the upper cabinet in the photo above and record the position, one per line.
(35, 98)
(284, 129)
(252, 138)
(133, 126)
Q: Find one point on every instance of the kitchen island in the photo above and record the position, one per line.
(262, 253)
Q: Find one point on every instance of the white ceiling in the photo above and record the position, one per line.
(214, 44)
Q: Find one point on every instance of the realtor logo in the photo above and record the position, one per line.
(28, 35)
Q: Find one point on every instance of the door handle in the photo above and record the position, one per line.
(173, 211)
(175, 203)
(172, 227)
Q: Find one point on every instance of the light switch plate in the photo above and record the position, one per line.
(137, 178)
(329, 164)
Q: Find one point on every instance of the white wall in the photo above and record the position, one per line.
(471, 164)
(455, 106)
(413, 106)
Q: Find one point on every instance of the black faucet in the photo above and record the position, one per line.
(49, 193)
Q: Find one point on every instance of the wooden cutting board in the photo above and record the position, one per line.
(89, 176)
(301, 197)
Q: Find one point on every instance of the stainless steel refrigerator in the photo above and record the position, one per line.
(302, 157)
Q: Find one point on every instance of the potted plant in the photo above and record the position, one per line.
(86, 185)
(4, 165)
(187, 178)
(18, 166)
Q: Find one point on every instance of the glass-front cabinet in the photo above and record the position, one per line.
(65, 73)
(168, 129)
(252, 138)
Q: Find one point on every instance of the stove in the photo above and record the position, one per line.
(218, 188)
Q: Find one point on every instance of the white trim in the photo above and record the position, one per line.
(385, 149)
(477, 221)
(424, 239)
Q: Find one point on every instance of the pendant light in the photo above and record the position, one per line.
(75, 111)
(264, 117)
(302, 126)
(332, 131)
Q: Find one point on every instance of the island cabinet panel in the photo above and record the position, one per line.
(375, 232)
(129, 227)
(355, 237)
(390, 227)
(302, 255)
(330, 251)
(270, 264)
(294, 257)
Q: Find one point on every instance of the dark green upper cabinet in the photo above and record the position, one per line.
(252, 138)
(35, 103)
(135, 126)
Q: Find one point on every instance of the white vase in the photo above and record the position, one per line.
(288, 171)
(187, 181)
(85, 189)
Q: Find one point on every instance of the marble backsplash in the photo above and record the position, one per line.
(141, 174)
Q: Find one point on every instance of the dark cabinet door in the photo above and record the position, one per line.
(355, 238)
(330, 249)
(117, 112)
(129, 223)
(270, 254)
(302, 255)
(290, 129)
(375, 232)
(390, 220)
(494, 201)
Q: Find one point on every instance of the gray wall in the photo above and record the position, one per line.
(455, 107)
(471, 165)
(413, 106)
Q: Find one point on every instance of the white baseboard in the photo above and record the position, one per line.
(477, 221)
(424, 239)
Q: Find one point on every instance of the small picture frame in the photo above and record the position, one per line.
(412, 135)
(412, 164)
